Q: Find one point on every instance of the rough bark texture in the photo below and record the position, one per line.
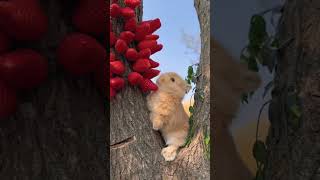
(135, 147)
(59, 131)
(294, 153)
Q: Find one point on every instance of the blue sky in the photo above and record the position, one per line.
(176, 18)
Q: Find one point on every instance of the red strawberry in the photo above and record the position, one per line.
(147, 85)
(132, 3)
(121, 46)
(23, 68)
(112, 57)
(151, 73)
(127, 12)
(134, 78)
(117, 83)
(151, 44)
(154, 25)
(8, 101)
(131, 54)
(130, 24)
(113, 38)
(90, 17)
(114, 1)
(113, 93)
(127, 36)
(151, 37)
(145, 53)
(141, 31)
(117, 67)
(23, 20)
(153, 63)
(141, 65)
(5, 42)
(157, 48)
(80, 54)
(115, 10)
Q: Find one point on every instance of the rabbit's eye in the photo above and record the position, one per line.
(172, 79)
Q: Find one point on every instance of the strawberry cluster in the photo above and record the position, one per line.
(136, 43)
(80, 53)
(83, 53)
(20, 68)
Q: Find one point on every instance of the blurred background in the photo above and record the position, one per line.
(229, 26)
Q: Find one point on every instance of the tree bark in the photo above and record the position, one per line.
(59, 131)
(136, 148)
(294, 150)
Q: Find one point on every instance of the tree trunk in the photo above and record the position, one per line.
(136, 148)
(294, 144)
(59, 131)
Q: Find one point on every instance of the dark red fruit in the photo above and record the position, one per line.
(134, 78)
(117, 67)
(23, 68)
(80, 54)
(89, 17)
(117, 83)
(141, 65)
(23, 20)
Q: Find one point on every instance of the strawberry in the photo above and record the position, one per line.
(80, 54)
(151, 37)
(132, 3)
(117, 83)
(113, 39)
(113, 93)
(151, 44)
(153, 63)
(156, 48)
(131, 54)
(112, 57)
(151, 73)
(134, 78)
(115, 10)
(127, 36)
(22, 20)
(23, 68)
(127, 12)
(141, 31)
(147, 85)
(8, 101)
(5, 42)
(130, 24)
(141, 65)
(117, 67)
(155, 24)
(121, 46)
(144, 53)
(89, 17)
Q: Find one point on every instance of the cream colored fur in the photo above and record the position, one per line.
(230, 80)
(167, 113)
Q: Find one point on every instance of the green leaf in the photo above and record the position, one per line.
(260, 152)
(190, 72)
(257, 32)
(295, 111)
(191, 109)
(207, 140)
